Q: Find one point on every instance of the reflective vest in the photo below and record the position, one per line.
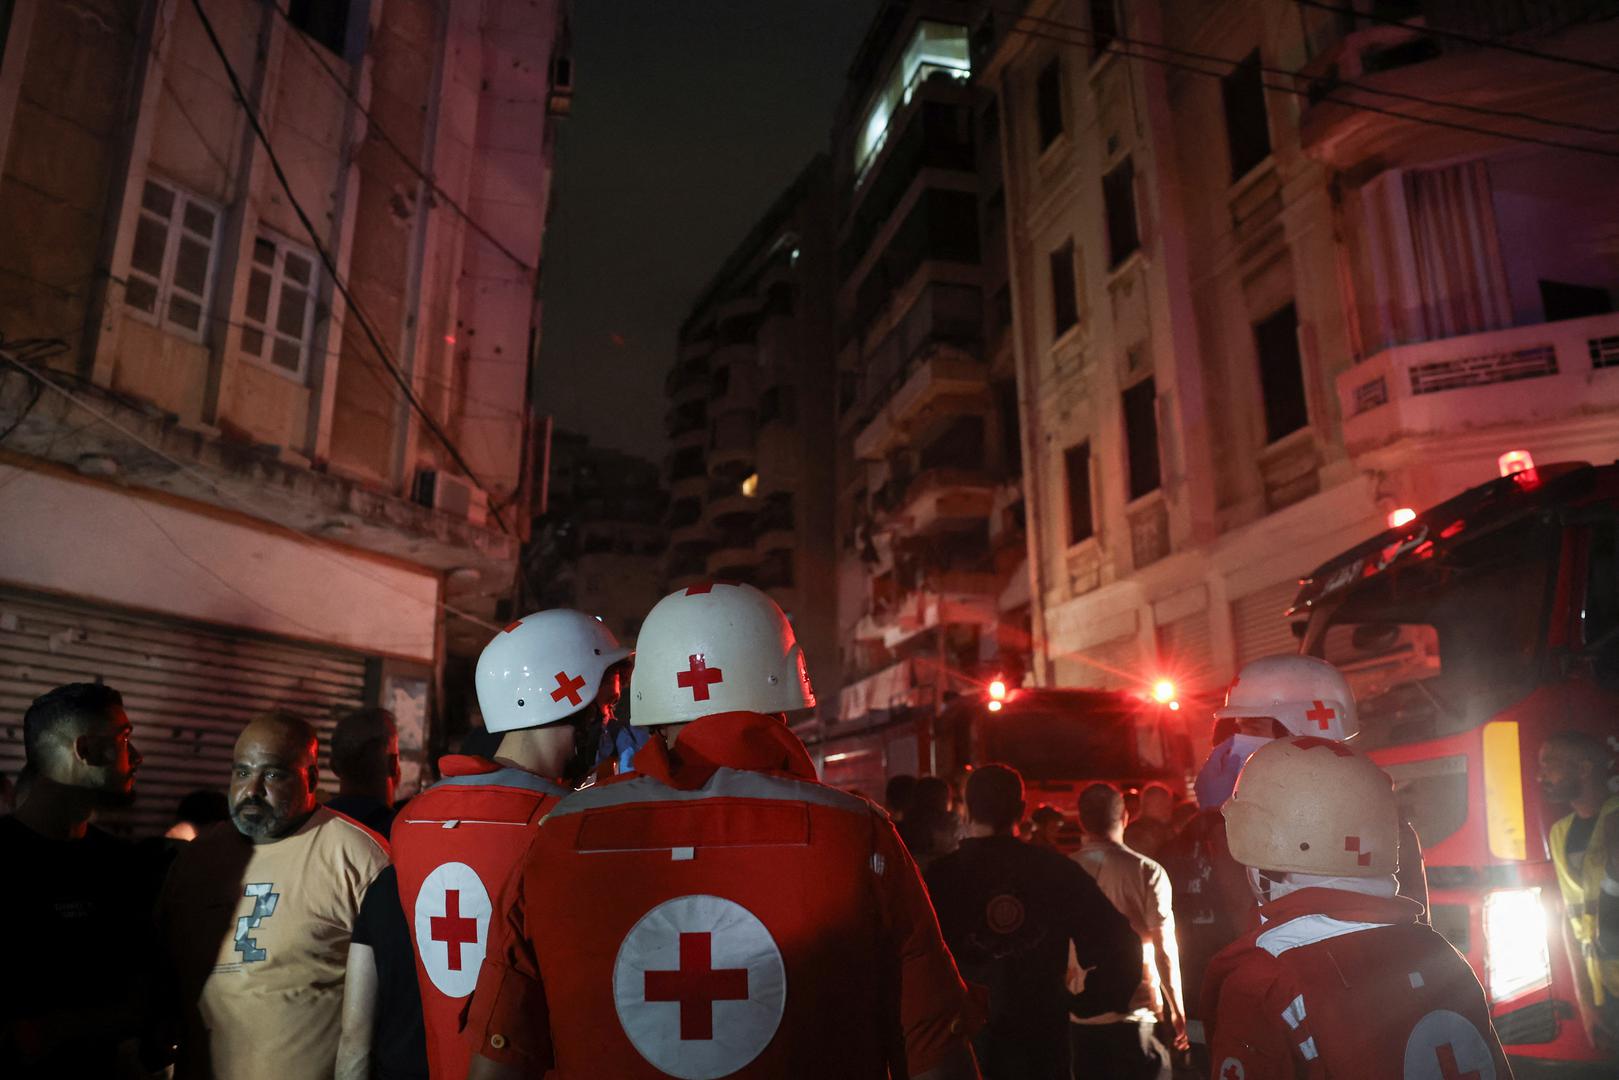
(1580, 893)
(454, 847)
(1340, 986)
(720, 913)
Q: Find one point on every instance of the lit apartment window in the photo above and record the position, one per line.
(1281, 374)
(171, 266)
(1064, 292)
(1141, 437)
(934, 48)
(1104, 26)
(1119, 198)
(1077, 460)
(1247, 131)
(1048, 101)
(280, 317)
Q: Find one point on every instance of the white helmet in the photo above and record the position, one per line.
(712, 648)
(1282, 817)
(543, 668)
(1307, 696)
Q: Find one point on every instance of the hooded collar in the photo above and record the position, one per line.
(1340, 904)
(748, 741)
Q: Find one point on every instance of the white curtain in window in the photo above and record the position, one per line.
(1461, 285)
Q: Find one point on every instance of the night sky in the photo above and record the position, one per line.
(690, 117)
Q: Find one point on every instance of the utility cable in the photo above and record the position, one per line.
(1468, 39)
(1304, 93)
(331, 266)
(223, 493)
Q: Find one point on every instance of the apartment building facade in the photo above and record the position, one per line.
(750, 424)
(598, 538)
(219, 497)
(1257, 314)
(932, 595)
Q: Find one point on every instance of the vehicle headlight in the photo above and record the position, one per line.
(1515, 957)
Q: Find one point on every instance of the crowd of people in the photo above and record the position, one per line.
(637, 873)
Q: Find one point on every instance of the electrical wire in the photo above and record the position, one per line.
(1346, 84)
(223, 493)
(1088, 41)
(263, 137)
(1469, 39)
(387, 140)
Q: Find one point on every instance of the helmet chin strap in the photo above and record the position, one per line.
(1268, 888)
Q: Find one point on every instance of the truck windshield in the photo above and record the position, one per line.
(1057, 744)
(1434, 645)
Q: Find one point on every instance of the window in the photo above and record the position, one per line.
(1281, 374)
(1119, 198)
(280, 316)
(1563, 300)
(1048, 101)
(1141, 437)
(326, 21)
(1064, 292)
(935, 48)
(1104, 26)
(1247, 132)
(171, 268)
(1077, 459)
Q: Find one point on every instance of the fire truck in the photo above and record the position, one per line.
(1470, 633)
(1059, 739)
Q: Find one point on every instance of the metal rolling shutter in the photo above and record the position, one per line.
(1187, 651)
(1258, 623)
(189, 687)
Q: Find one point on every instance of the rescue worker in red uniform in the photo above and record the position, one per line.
(719, 912)
(1270, 698)
(547, 683)
(1340, 980)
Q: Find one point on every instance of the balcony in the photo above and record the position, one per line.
(947, 598)
(734, 559)
(728, 507)
(688, 487)
(685, 418)
(1406, 61)
(731, 445)
(688, 379)
(943, 500)
(774, 529)
(1545, 373)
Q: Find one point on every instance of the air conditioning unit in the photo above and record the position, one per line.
(452, 494)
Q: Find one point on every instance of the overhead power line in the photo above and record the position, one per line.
(222, 493)
(331, 266)
(1469, 39)
(1087, 39)
(387, 140)
(1346, 84)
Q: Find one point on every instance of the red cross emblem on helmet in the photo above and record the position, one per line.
(694, 966)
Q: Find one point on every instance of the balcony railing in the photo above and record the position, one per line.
(1542, 372)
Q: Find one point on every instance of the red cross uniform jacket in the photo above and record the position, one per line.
(454, 846)
(1337, 985)
(720, 913)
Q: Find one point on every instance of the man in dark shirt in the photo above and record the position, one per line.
(384, 1037)
(71, 910)
(365, 757)
(1013, 914)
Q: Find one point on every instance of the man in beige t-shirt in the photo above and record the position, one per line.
(256, 917)
(1122, 1046)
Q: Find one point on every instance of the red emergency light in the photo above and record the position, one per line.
(1516, 461)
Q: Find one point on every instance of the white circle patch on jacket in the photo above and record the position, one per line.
(452, 927)
(1445, 1045)
(700, 986)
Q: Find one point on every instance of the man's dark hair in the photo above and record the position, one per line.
(900, 794)
(995, 796)
(931, 797)
(1046, 812)
(54, 712)
(360, 743)
(1583, 745)
(203, 808)
(1101, 808)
